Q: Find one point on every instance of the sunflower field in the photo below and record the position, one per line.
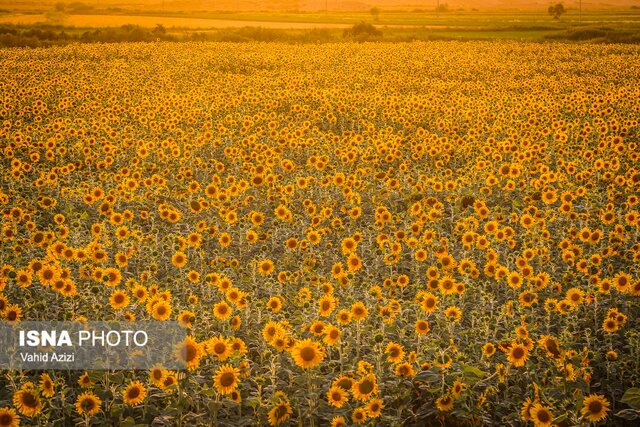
(429, 233)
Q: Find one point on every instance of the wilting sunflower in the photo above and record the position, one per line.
(134, 394)
(518, 354)
(365, 388)
(541, 415)
(189, 352)
(9, 418)
(27, 401)
(88, 403)
(280, 413)
(225, 379)
(595, 408)
(551, 345)
(337, 397)
(307, 353)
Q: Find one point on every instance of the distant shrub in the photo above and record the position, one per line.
(363, 31)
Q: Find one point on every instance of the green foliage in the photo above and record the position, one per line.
(556, 10)
(363, 31)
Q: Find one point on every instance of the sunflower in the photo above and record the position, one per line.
(422, 327)
(525, 411)
(189, 352)
(219, 347)
(9, 418)
(161, 310)
(134, 394)
(359, 415)
(272, 329)
(574, 297)
(453, 314)
(186, 318)
(27, 401)
(280, 413)
(344, 317)
(119, 299)
(354, 263)
(395, 352)
(265, 267)
(307, 353)
(274, 304)
(337, 397)
(595, 408)
(326, 305)
(85, 381)
(47, 387)
(429, 302)
(514, 280)
(363, 389)
(179, 259)
(610, 325)
(222, 310)
(344, 382)
(518, 354)
(488, 350)
(332, 335)
(225, 379)
(157, 375)
(359, 311)
(338, 421)
(457, 388)
(169, 381)
(12, 314)
(88, 403)
(541, 416)
(374, 408)
(551, 345)
(404, 370)
(444, 403)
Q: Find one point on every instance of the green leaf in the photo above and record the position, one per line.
(473, 371)
(632, 398)
(629, 414)
(560, 419)
(427, 376)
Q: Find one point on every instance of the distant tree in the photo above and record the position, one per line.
(375, 12)
(557, 10)
(159, 30)
(363, 31)
(442, 7)
(60, 6)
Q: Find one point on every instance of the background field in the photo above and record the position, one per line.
(306, 23)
